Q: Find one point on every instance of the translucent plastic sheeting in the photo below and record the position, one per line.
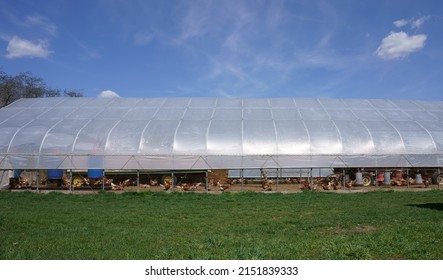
(212, 133)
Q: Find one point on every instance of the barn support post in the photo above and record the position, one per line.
(407, 178)
(376, 179)
(172, 181)
(276, 183)
(241, 179)
(343, 179)
(311, 180)
(206, 181)
(138, 180)
(103, 180)
(38, 179)
(70, 180)
(438, 179)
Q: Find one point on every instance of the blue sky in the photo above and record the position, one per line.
(257, 49)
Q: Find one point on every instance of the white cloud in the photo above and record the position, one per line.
(18, 47)
(108, 94)
(399, 45)
(401, 22)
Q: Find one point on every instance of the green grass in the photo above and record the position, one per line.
(154, 225)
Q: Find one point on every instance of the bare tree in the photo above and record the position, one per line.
(72, 93)
(8, 89)
(26, 85)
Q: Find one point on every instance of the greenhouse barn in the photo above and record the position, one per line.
(218, 143)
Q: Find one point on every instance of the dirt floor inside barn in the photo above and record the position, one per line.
(283, 188)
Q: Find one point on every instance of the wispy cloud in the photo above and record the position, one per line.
(18, 48)
(42, 22)
(419, 22)
(255, 55)
(401, 22)
(399, 45)
(142, 38)
(415, 23)
(196, 21)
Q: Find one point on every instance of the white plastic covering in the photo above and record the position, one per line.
(219, 133)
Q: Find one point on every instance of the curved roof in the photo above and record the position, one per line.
(201, 133)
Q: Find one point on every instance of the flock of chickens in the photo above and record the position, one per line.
(325, 183)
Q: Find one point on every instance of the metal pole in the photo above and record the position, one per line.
(138, 181)
(344, 179)
(276, 183)
(38, 179)
(241, 179)
(206, 181)
(407, 178)
(103, 180)
(311, 180)
(376, 179)
(70, 180)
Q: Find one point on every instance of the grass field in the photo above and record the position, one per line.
(154, 225)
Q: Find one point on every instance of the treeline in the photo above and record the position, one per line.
(26, 85)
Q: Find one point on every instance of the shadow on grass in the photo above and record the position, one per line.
(432, 206)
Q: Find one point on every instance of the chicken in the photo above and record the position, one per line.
(97, 182)
(350, 183)
(66, 182)
(398, 182)
(125, 183)
(305, 185)
(121, 185)
(338, 185)
(233, 181)
(43, 181)
(23, 181)
(153, 182)
(165, 187)
(86, 181)
(185, 187)
(265, 183)
(108, 181)
(221, 186)
(332, 184)
(114, 187)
